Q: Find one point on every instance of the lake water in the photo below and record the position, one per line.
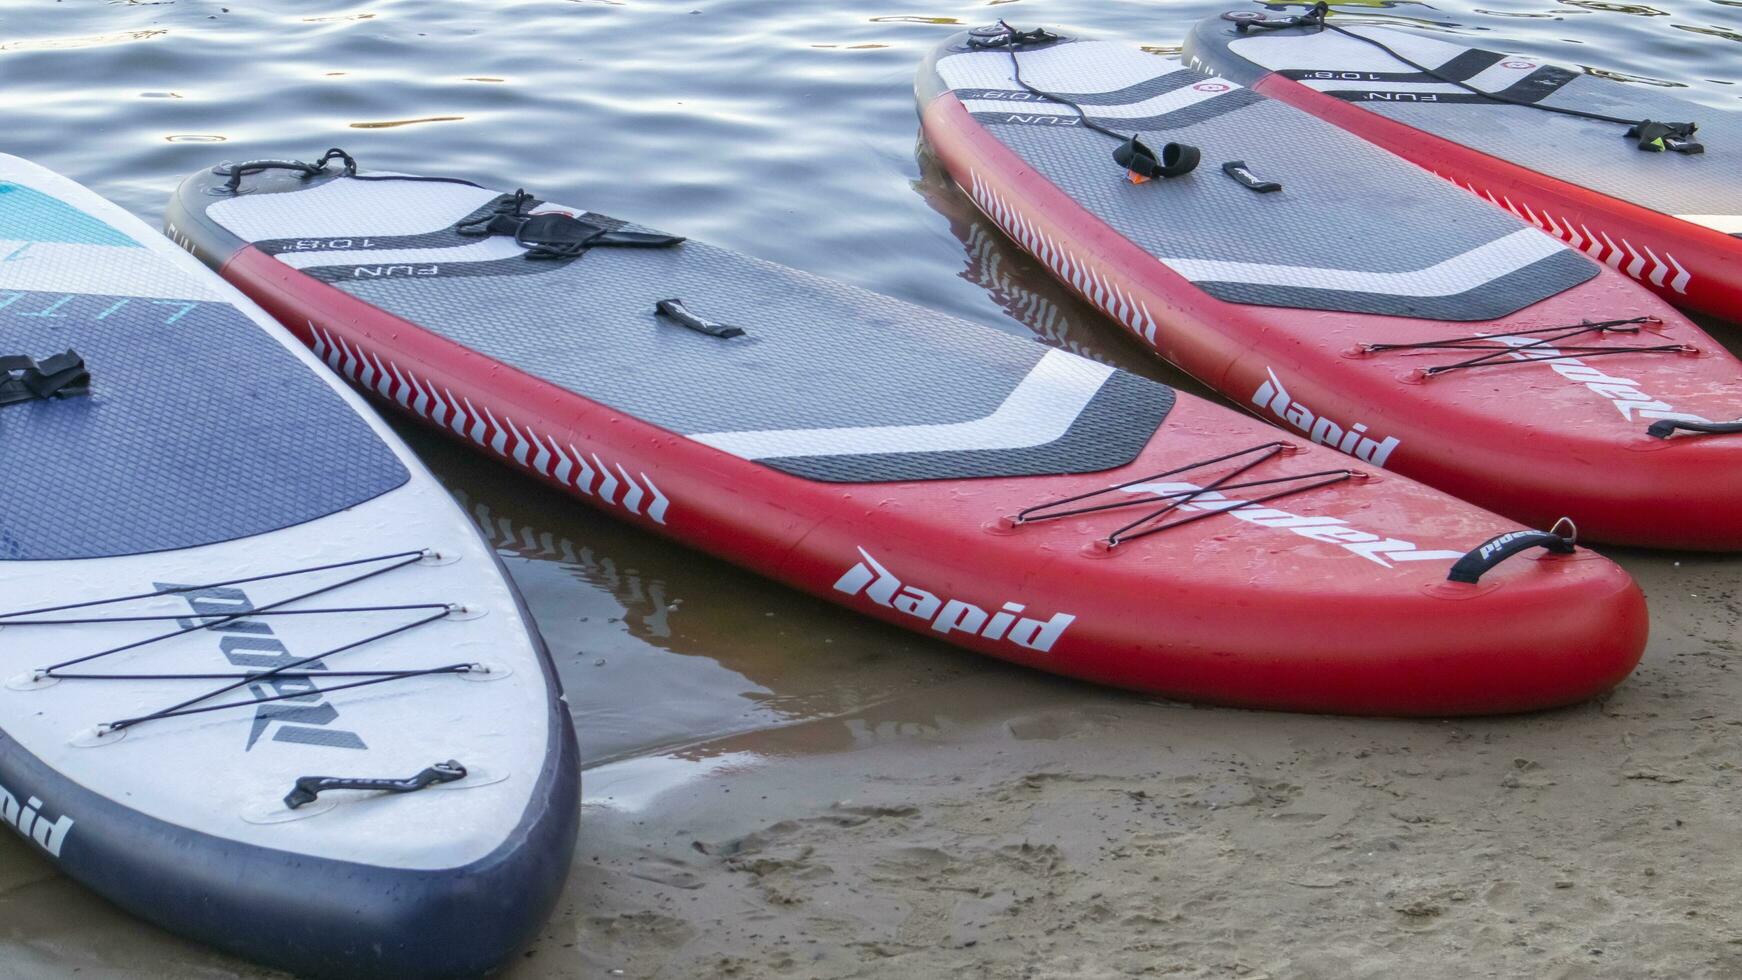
(785, 130)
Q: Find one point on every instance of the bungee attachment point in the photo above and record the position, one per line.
(1562, 539)
(25, 379)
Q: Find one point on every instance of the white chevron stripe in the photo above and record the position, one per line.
(607, 486)
(583, 482)
(1450, 277)
(655, 510)
(1638, 263)
(632, 495)
(1680, 282)
(478, 430)
(1659, 271)
(541, 460)
(564, 465)
(1040, 410)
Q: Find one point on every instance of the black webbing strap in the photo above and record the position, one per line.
(309, 788)
(1664, 428)
(25, 379)
(1472, 566)
(554, 235)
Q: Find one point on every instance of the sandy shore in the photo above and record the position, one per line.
(1004, 825)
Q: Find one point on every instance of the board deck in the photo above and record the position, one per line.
(902, 463)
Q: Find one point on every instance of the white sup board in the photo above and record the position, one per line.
(261, 682)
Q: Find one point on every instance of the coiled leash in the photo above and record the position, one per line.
(1141, 163)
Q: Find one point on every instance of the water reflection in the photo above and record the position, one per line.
(660, 647)
(1027, 292)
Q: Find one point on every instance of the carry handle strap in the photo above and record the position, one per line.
(1470, 568)
(309, 788)
(675, 309)
(236, 171)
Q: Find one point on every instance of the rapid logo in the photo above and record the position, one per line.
(953, 616)
(1333, 530)
(1623, 393)
(303, 716)
(33, 823)
(1353, 440)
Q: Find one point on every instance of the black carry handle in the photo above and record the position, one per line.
(308, 788)
(1243, 174)
(674, 308)
(1138, 159)
(1471, 567)
(1664, 428)
(25, 379)
(236, 171)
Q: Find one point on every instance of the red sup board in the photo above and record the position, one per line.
(1343, 294)
(1007, 497)
(1669, 217)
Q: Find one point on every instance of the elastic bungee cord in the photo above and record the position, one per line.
(1140, 162)
(1172, 502)
(213, 620)
(1651, 136)
(1544, 348)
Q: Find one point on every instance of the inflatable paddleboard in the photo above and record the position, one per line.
(971, 486)
(264, 684)
(1342, 293)
(1662, 205)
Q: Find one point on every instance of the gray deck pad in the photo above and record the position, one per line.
(1703, 188)
(828, 382)
(1354, 229)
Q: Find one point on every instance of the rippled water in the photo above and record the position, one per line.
(785, 130)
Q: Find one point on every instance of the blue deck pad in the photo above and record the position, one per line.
(199, 428)
(28, 215)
